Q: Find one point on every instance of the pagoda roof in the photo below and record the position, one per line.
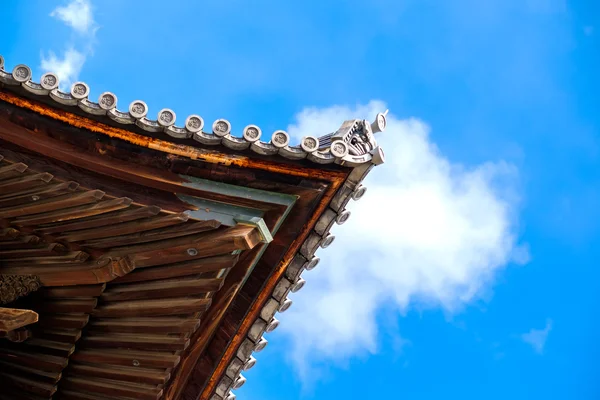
(119, 260)
(325, 148)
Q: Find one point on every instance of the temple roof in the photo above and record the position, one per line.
(326, 148)
(351, 152)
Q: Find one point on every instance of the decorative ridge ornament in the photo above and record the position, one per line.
(13, 287)
(353, 144)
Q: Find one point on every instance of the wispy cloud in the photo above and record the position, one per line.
(537, 338)
(427, 231)
(77, 15)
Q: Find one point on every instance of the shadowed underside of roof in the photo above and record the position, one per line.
(136, 262)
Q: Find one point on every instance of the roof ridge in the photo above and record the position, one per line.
(353, 144)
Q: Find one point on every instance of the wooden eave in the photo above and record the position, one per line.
(170, 179)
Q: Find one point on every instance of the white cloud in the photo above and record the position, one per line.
(427, 231)
(78, 15)
(537, 338)
(67, 67)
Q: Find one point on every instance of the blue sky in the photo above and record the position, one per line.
(469, 269)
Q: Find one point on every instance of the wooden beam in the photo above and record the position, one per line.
(43, 251)
(12, 318)
(117, 217)
(73, 291)
(21, 242)
(42, 193)
(50, 347)
(67, 321)
(68, 214)
(111, 388)
(12, 170)
(52, 204)
(25, 182)
(149, 308)
(67, 259)
(127, 357)
(152, 325)
(184, 249)
(29, 370)
(176, 287)
(127, 374)
(69, 306)
(100, 271)
(34, 386)
(34, 360)
(185, 268)
(114, 231)
(135, 341)
(154, 235)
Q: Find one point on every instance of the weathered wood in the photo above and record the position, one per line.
(106, 273)
(66, 321)
(73, 291)
(154, 235)
(152, 325)
(111, 388)
(68, 306)
(72, 257)
(51, 376)
(28, 385)
(141, 195)
(211, 244)
(52, 204)
(47, 250)
(136, 341)
(100, 271)
(68, 214)
(21, 242)
(24, 137)
(178, 287)
(185, 268)
(115, 217)
(60, 335)
(25, 182)
(51, 347)
(73, 395)
(34, 360)
(12, 318)
(247, 303)
(146, 308)
(106, 147)
(127, 357)
(126, 228)
(37, 194)
(128, 374)
(12, 170)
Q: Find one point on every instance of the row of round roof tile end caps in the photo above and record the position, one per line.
(352, 144)
(292, 282)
